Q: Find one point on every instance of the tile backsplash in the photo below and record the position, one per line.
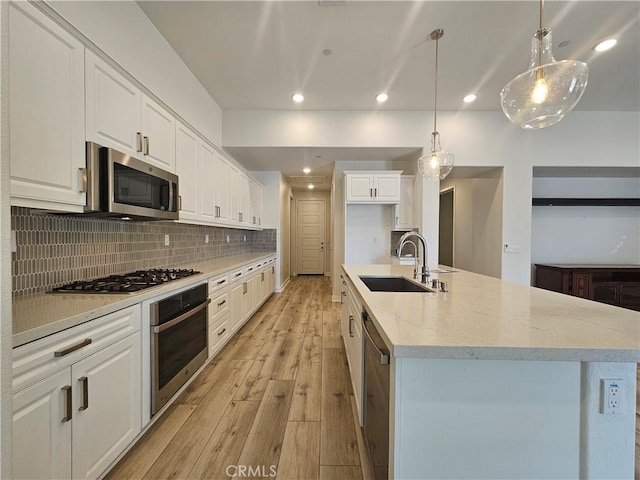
(395, 238)
(53, 249)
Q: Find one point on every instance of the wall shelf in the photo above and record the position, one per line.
(580, 202)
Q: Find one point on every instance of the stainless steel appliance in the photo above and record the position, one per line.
(376, 397)
(128, 283)
(178, 341)
(119, 185)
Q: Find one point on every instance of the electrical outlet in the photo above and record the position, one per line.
(227, 238)
(14, 242)
(245, 238)
(611, 396)
(508, 248)
(206, 239)
(166, 240)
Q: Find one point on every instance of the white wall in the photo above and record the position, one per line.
(367, 233)
(285, 226)
(585, 234)
(122, 31)
(478, 206)
(476, 138)
(5, 254)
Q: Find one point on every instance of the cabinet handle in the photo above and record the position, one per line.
(220, 282)
(179, 202)
(396, 220)
(238, 274)
(273, 270)
(83, 180)
(84, 381)
(344, 294)
(375, 192)
(68, 412)
(351, 325)
(250, 269)
(262, 276)
(146, 145)
(222, 331)
(72, 348)
(222, 303)
(244, 288)
(138, 142)
(371, 192)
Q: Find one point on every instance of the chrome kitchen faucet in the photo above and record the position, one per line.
(421, 274)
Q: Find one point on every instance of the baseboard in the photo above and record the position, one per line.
(284, 285)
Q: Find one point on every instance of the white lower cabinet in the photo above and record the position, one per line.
(74, 422)
(351, 328)
(236, 307)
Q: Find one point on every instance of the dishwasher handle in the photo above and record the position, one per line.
(383, 352)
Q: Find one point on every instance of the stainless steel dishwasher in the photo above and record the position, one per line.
(376, 397)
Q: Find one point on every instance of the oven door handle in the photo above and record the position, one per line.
(181, 318)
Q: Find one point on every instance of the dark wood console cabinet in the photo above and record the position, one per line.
(613, 284)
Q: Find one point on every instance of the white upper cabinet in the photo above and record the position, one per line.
(372, 187)
(221, 189)
(46, 100)
(256, 200)
(187, 144)
(120, 116)
(207, 176)
(404, 210)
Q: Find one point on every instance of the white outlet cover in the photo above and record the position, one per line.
(206, 239)
(166, 240)
(227, 238)
(611, 396)
(14, 242)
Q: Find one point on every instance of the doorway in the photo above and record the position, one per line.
(445, 228)
(310, 237)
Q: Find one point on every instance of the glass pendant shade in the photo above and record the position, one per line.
(544, 94)
(437, 164)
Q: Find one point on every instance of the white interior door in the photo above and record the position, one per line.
(310, 225)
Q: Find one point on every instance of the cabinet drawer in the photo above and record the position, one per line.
(35, 360)
(218, 304)
(236, 275)
(250, 269)
(218, 282)
(218, 333)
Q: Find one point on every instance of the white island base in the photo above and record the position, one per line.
(500, 419)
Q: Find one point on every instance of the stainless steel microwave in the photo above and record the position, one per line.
(119, 185)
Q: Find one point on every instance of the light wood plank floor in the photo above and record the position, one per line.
(276, 401)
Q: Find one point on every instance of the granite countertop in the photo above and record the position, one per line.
(482, 317)
(36, 316)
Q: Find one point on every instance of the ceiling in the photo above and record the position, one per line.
(256, 54)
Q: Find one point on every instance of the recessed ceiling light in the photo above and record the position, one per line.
(297, 97)
(310, 186)
(382, 97)
(306, 170)
(605, 45)
(470, 98)
(327, 51)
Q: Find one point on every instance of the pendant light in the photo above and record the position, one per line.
(544, 94)
(436, 164)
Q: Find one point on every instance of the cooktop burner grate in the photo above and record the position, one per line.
(127, 283)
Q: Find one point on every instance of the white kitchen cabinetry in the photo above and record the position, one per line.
(372, 187)
(404, 210)
(77, 398)
(256, 199)
(187, 144)
(46, 100)
(219, 317)
(207, 175)
(120, 116)
(221, 189)
(351, 328)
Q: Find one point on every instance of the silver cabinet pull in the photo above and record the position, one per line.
(262, 273)
(371, 192)
(83, 180)
(250, 269)
(238, 274)
(384, 354)
(222, 331)
(181, 318)
(375, 192)
(342, 295)
(397, 220)
(84, 381)
(179, 202)
(139, 142)
(351, 325)
(244, 288)
(72, 348)
(68, 397)
(273, 270)
(146, 145)
(222, 303)
(220, 282)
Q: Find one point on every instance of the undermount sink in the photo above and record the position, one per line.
(393, 284)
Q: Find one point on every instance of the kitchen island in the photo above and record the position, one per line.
(498, 380)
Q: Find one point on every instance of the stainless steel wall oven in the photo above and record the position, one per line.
(178, 342)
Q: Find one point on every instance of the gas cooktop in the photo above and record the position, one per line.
(127, 283)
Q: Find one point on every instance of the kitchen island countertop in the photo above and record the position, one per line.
(482, 317)
(38, 315)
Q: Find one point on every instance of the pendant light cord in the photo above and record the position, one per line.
(540, 34)
(435, 96)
